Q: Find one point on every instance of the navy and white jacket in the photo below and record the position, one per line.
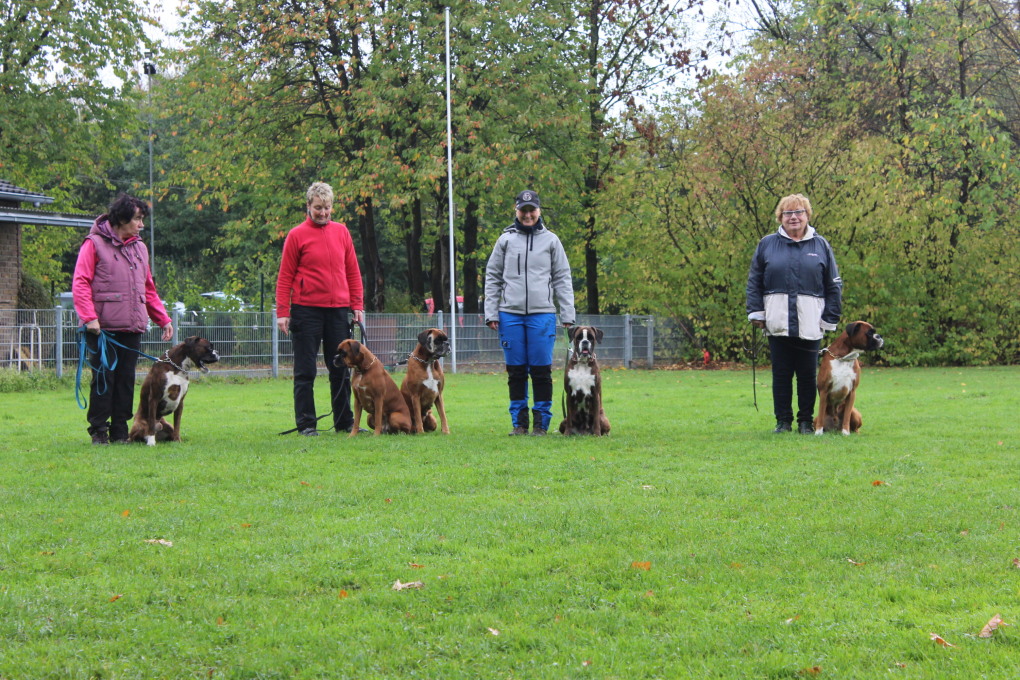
(794, 286)
(527, 270)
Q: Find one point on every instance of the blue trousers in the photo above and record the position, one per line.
(527, 341)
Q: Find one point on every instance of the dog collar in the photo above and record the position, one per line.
(847, 357)
(588, 357)
(167, 360)
(412, 355)
(362, 370)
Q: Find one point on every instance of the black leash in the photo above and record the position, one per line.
(757, 342)
(347, 373)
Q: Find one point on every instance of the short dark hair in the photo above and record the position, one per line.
(122, 210)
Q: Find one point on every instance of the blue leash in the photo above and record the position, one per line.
(103, 348)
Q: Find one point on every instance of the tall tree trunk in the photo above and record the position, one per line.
(371, 264)
(415, 272)
(470, 265)
(438, 276)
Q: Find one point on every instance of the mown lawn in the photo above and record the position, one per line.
(690, 543)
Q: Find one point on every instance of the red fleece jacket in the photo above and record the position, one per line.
(319, 269)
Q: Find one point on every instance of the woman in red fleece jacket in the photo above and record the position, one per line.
(318, 287)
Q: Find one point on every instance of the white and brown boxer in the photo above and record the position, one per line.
(839, 374)
(374, 391)
(164, 389)
(423, 383)
(582, 382)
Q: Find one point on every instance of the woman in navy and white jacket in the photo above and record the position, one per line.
(794, 292)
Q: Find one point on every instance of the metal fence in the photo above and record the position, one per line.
(250, 344)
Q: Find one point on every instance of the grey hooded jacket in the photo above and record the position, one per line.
(526, 270)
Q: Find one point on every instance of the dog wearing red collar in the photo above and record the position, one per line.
(839, 375)
(582, 383)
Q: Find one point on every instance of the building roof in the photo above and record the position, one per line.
(46, 217)
(12, 192)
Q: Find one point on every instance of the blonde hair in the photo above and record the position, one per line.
(320, 190)
(792, 202)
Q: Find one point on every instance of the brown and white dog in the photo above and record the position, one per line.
(164, 389)
(839, 374)
(423, 383)
(374, 391)
(582, 383)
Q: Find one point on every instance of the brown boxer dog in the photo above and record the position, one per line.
(164, 389)
(423, 383)
(374, 391)
(839, 374)
(582, 383)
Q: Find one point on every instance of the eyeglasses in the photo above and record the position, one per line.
(791, 213)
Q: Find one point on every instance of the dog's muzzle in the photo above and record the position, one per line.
(210, 358)
(878, 341)
(442, 349)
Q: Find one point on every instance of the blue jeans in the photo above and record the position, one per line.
(527, 341)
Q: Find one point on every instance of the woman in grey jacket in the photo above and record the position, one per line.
(794, 292)
(527, 269)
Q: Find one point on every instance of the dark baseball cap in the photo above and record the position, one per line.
(528, 199)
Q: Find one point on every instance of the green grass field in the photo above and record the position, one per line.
(691, 542)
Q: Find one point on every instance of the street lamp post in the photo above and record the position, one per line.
(150, 70)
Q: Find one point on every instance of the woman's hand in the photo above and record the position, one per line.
(283, 323)
(93, 326)
(168, 332)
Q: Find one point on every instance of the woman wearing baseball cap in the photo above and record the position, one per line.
(526, 277)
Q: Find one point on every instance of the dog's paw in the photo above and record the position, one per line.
(846, 433)
(150, 440)
(819, 432)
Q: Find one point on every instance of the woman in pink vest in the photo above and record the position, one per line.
(114, 292)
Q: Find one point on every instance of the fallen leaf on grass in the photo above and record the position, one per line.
(493, 631)
(126, 513)
(791, 620)
(220, 621)
(965, 532)
(990, 627)
(47, 552)
(937, 639)
(879, 482)
(586, 663)
(647, 487)
(404, 586)
(246, 526)
(814, 670)
(342, 594)
(900, 665)
(415, 566)
(115, 598)
(856, 564)
(736, 565)
(305, 484)
(389, 500)
(160, 541)
(646, 566)
(1016, 562)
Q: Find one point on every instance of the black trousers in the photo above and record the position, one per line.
(794, 357)
(310, 329)
(112, 394)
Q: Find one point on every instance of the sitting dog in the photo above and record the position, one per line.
(839, 374)
(374, 391)
(164, 389)
(423, 383)
(583, 385)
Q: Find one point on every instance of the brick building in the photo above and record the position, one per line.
(12, 216)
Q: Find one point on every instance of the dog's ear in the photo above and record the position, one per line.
(355, 348)
(598, 334)
(571, 332)
(423, 338)
(851, 329)
(190, 342)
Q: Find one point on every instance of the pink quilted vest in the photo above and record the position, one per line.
(118, 287)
